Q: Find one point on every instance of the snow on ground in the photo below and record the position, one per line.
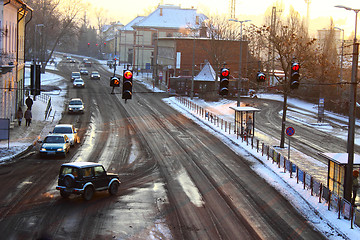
(316, 213)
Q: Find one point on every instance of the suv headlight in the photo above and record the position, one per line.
(60, 149)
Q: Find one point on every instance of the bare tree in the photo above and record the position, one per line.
(58, 20)
(291, 43)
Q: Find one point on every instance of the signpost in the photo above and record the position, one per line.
(290, 131)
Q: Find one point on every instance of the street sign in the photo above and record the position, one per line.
(290, 131)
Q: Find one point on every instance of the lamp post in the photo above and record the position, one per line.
(352, 112)
(342, 53)
(35, 47)
(156, 57)
(240, 59)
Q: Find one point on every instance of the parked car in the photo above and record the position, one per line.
(84, 71)
(55, 145)
(76, 105)
(85, 178)
(79, 83)
(95, 75)
(75, 75)
(85, 60)
(69, 130)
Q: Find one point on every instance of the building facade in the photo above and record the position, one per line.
(12, 60)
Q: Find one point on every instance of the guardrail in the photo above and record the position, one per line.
(335, 203)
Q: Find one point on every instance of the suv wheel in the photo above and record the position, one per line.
(69, 181)
(113, 189)
(88, 193)
(64, 194)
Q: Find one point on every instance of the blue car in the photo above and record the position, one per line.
(55, 145)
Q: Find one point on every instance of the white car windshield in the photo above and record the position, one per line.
(54, 139)
(75, 102)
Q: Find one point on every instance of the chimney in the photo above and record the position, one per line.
(161, 11)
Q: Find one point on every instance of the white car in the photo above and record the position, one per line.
(79, 83)
(76, 105)
(69, 130)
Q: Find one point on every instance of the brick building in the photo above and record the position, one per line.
(175, 56)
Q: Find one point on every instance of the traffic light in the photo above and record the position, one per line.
(127, 84)
(224, 81)
(114, 82)
(260, 77)
(88, 44)
(295, 75)
(104, 44)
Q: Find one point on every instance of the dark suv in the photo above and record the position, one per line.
(85, 178)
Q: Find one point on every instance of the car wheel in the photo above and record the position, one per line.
(113, 189)
(64, 194)
(68, 181)
(88, 193)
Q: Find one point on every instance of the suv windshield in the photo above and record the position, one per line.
(62, 130)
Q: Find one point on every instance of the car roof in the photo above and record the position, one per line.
(78, 79)
(81, 164)
(56, 135)
(75, 72)
(63, 125)
(75, 99)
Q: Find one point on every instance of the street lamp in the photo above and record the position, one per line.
(35, 50)
(352, 111)
(155, 57)
(342, 53)
(240, 58)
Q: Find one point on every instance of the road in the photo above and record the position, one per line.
(178, 181)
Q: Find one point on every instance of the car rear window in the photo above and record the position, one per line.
(69, 170)
(62, 130)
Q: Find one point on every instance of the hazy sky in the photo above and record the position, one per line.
(320, 10)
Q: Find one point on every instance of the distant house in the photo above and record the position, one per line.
(165, 21)
(204, 82)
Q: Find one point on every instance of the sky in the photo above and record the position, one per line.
(320, 10)
(317, 213)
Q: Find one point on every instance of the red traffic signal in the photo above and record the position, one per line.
(225, 72)
(88, 44)
(128, 74)
(295, 67)
(114, 82)
(127, 84)
(224, 81)
(295, 75)
(261, 77)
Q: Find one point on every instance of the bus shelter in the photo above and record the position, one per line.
(337, 164)
(245, 120)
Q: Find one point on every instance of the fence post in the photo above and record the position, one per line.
(257, 145)
(312, 186)
(321, 188)
(339, 208)
(304, 179)
(229, 128)
(262, 149)
(329, 200)
(291, 169)
(297, 175)
(268, 157)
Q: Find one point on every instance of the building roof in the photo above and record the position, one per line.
(128, 27)
(173, 17)
(207, 73)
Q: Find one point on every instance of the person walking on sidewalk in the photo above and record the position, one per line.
(19, 115)
(28, 117)
(29, 102)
